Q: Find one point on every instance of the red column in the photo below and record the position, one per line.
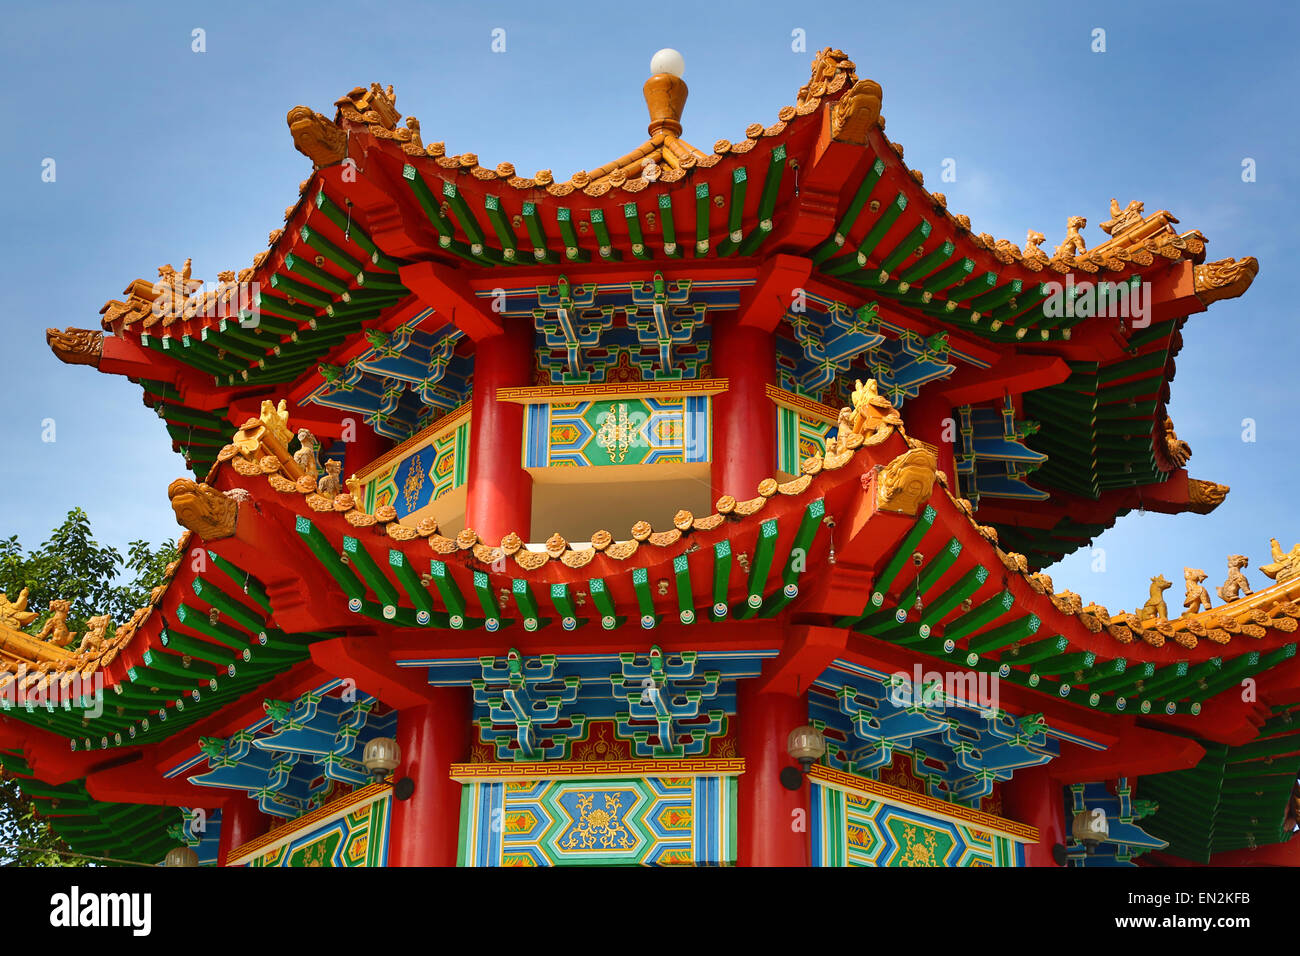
(241, 821)
(500, 494)
(426, 828)
(770, 831)
(931, 417)
(744, 418)
(1033, 797)
(364, 446)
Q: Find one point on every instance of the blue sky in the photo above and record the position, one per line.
(164, 153)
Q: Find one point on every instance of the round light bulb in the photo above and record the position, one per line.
(669, 61)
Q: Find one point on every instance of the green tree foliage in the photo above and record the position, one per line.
(93, 579)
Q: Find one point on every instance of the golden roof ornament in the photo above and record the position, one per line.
(14, 613)
(1197, 597)
(1224, 279)
(1177, 450)
(665, 92)
(1122, 220)
(55, 630)
(203, 509)
(76, 346)
(1073, 246)
(1286, 564)
(1155, 608)
(907, 482)
(828, 64)
(1236, 584)
(856, 112)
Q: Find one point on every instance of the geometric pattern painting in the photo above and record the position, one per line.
(422, 476)
(605, 820)
(355, 835)
(625, 431)
(852, 826)
(799, 437)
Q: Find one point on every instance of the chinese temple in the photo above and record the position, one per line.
(690, 510)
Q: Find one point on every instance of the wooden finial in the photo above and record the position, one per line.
(665, 92)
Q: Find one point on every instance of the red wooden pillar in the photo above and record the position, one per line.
(425, 829)
(1033, 797)
(744, 418)
(363, 443)
(770, 830)
(500, 494)
(931, 417)
(241, 821)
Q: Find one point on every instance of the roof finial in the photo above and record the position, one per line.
(665, 92)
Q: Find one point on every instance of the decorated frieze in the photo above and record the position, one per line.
(860, 822)
(636, 430)
(651, 813)
(421, 471)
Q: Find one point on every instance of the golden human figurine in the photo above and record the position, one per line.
(1198, 598)
(305, 456)
(843, 429)
(1236, 585)
(355, 490)
(55, 629)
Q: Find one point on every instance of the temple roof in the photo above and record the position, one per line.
(739, 557)
(822, 182)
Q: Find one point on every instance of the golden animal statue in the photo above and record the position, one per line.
(14, 614)
(203, 509)
(55, 629)
(1197, 597)
(870, 408)
(1155, 606)
(1033, 240)
(1178, 450)
(856, 112)
(1236, 585)
(76, 346)
(1073, 244)
(1205, 496)
(1286, 564)
(1224, 279)
(95, 641)
(907, 482)
(316, 137)
(329, 484)
(824, 67)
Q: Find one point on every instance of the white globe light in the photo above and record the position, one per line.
(668, 61)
